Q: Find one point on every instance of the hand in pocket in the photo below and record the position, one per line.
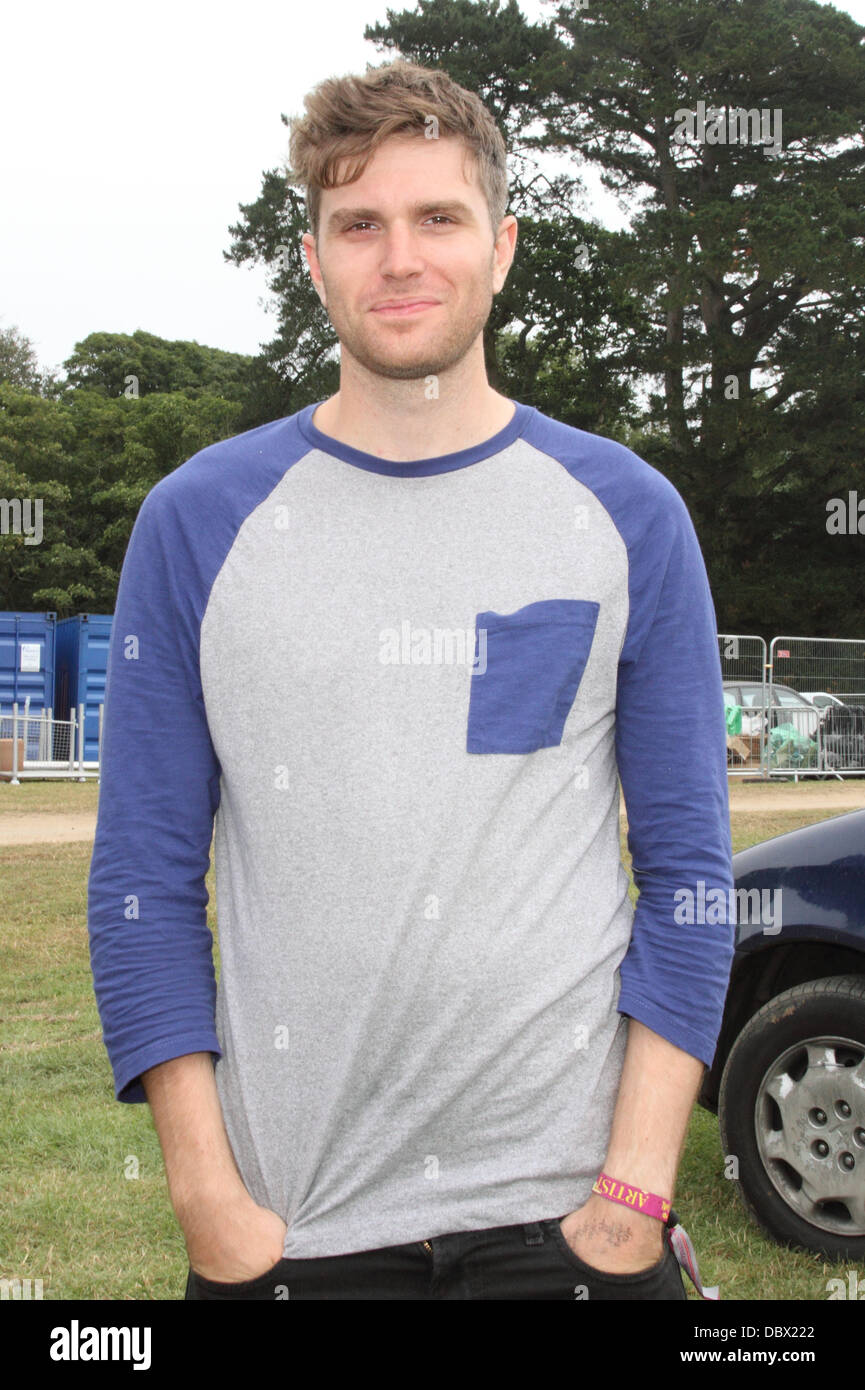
(613, 1243)
(233, 1241)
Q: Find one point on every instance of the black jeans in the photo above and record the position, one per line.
(504, 1262)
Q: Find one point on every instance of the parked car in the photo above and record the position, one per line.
(788, 1078)
(787, 707)
(822, 701)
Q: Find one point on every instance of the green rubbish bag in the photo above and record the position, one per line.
(734, 719)
(789, 748)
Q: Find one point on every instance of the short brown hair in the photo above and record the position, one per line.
(349, 117)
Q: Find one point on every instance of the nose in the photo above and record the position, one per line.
(401, 252)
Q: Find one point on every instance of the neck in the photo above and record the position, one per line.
(400, 424)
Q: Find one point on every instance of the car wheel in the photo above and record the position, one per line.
(792, 1110)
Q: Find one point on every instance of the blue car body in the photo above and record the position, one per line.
(820, 872)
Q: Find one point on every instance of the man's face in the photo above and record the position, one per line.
(411, 228)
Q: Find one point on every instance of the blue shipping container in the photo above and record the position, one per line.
(26, 668)
(27, 647)
(81, 658)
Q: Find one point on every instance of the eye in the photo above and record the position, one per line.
(436, 216)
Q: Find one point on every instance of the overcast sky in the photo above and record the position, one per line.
(130, 135)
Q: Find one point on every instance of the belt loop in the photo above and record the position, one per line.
(533, 1233)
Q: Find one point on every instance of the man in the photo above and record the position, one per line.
(400, 644)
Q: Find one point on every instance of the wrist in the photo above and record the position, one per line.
(602, 1233)
(651, 1173)
(616, 1214)
(631, 1195)
(198, 1200)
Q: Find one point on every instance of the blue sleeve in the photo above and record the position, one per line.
(671, 750)
(151, 951)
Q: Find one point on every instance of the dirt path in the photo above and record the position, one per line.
(51, 827)
(46, 827)
(806, 795)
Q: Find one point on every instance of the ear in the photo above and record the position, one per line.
(505, 247)
(308, 242)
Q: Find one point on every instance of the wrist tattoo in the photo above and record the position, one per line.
(613, 1232)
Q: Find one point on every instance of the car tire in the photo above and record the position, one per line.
(801, 1177)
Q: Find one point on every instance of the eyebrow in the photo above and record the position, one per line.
(342, 217)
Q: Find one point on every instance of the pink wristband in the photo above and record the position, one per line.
(634, 1197)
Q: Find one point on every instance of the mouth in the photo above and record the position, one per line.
(410, 306)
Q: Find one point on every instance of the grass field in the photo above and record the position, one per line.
(83, 1199)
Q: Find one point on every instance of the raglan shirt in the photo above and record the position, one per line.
(403, 695)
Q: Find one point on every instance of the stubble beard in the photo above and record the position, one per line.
(403, 361)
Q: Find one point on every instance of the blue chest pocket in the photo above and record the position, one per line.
(528, 668)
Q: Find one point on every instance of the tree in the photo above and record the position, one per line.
(18, 362)
(89, 459)
(560, 317)
(140, 363)
(739, 259)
